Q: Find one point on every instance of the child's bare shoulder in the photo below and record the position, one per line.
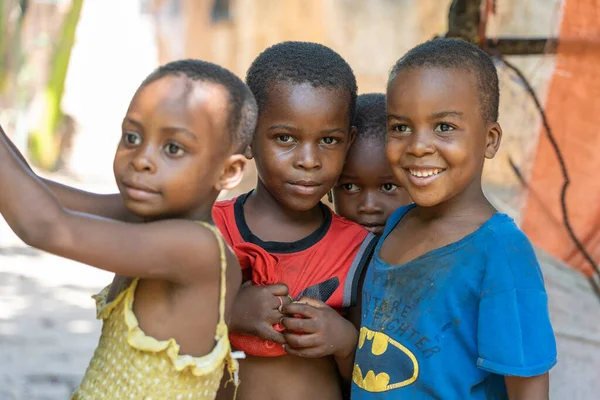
(203, 241)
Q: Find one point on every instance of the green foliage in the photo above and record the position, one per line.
(44, 146)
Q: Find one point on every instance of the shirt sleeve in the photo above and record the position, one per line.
(515, 336)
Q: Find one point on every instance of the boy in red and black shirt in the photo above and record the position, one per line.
(282, 233)
(324, 265)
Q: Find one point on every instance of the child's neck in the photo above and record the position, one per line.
(425, 229)
(270, 220)
(473, 205)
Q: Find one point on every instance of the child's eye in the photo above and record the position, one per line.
(329, 140)
(401, 128)
(350, 187)
(132, 138)
(388, 187)
(444, 128)
(173, 150)
(284, 138)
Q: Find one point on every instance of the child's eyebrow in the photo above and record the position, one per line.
(443, 114)
(173, 130)
(440, 114)
(133, 122)
(291, 128)
(398, 117)
(281, 126)
(334, 130)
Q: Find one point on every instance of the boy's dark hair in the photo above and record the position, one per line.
(297, 63)
(242, 109)
(461, 55)
(370, 117)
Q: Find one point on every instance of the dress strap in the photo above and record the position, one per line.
(221, 327)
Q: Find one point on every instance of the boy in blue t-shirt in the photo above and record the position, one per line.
(454, 305)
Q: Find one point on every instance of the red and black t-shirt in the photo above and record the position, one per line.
(326, 265)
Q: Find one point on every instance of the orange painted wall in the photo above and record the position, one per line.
(573, 109)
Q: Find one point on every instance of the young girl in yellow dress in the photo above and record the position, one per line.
(164, 334)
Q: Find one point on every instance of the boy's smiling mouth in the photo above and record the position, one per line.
(423, 176)
(424, 172)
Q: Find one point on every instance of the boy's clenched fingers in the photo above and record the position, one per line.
(301, 324)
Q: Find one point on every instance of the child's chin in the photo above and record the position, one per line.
(302, 204)
(376, 230)
(427, 201)
(145, 212)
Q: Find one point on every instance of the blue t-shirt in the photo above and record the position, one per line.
(451, 323)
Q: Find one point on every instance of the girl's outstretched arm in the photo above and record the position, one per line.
(174, 250)
(105, 205)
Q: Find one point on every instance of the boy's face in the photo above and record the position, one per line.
(437, 137)
(301, 141)
(174, 148)
(367, 191)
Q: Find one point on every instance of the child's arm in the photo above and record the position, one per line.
(534, 388)
(325, 333)
(171, 250)
(105, 205)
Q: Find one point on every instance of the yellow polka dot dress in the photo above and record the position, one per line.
(127, 364)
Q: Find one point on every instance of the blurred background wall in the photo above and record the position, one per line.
(117, 43)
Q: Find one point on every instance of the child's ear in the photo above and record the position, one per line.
(493, 139)
(233, 172)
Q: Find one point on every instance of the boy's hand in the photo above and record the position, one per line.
(324, 331)
(257, 308)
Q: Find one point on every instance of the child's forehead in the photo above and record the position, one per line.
(181, 99)
(433, 77)
(366, 159)
(366, 149)
(302, 97)
(434, 86)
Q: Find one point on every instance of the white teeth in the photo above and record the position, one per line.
(424, 173)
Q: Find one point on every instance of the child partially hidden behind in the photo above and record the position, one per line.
(453, 303)
(181, 145)
(367, 192)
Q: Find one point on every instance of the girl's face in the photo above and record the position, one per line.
(173, 149)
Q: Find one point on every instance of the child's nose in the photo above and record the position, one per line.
(142, 161)
(369, 204)
(308, 157)
(421, 143)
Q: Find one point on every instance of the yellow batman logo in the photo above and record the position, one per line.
(379, 346)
